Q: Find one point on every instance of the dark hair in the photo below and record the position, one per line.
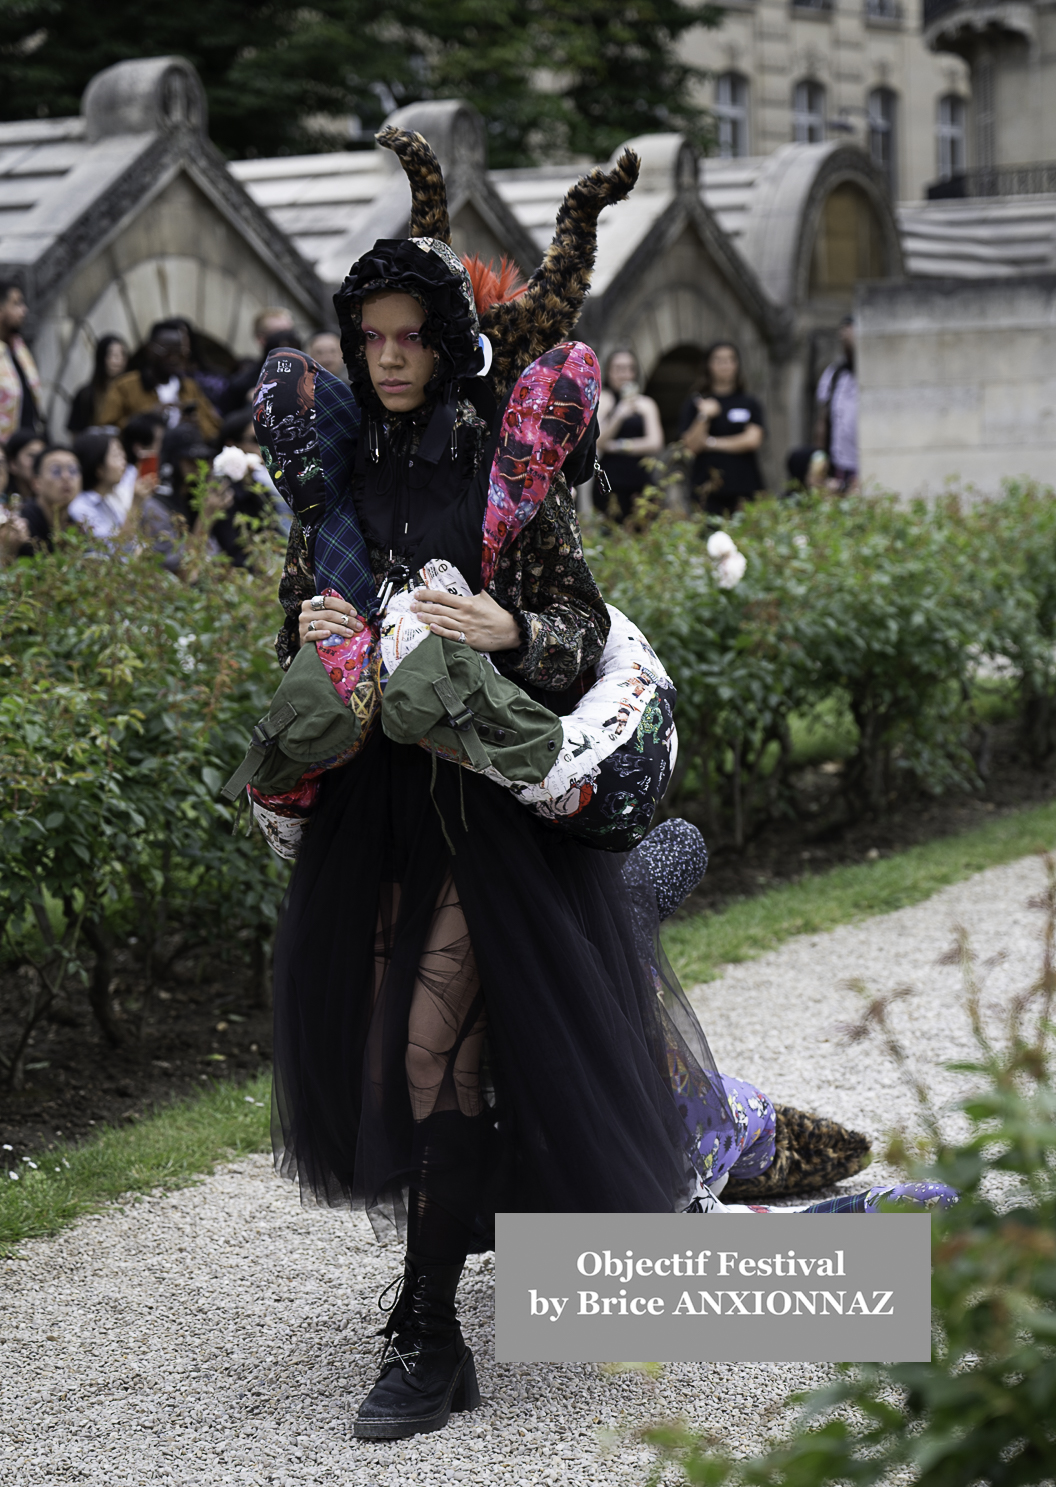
(18, 441)
(703, 382)
(280, 338)
(175, 322)
(141, 430)
(100, 379)
(798, 463)
(91, 449)
(50, 448)
(6, 286)
(619, 351)
(234, 426)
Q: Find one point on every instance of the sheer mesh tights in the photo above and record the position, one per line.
(447, 1021)
(445, 1037)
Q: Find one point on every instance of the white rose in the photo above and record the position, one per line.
(730, 570)
(720, 545)
(231, 463)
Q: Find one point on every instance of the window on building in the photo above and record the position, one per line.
(731, 113)
(808, 113)
(949, 132)
(883, 108)
(848, 246)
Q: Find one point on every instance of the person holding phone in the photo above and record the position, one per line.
(629, 427)
(726, 468)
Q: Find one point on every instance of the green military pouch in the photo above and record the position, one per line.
(307, 724)
(448, 697)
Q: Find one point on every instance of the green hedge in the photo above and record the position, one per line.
(125, 700)
(884, 608)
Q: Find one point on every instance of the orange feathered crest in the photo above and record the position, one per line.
(491, 288)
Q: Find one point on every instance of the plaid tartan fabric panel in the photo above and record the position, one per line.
(341, 558)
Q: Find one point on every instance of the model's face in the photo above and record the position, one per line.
(115, 464)
(13, 312)
(116, 359)
(399, 365)
(723, 368)
(622, 369)
(58, 480)
(326, 349)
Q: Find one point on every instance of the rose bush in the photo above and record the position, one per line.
(126, 698)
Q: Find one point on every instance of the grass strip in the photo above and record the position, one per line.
(700, 945)
(171, 1148)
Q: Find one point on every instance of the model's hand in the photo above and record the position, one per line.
(336, 617)
(479, 621)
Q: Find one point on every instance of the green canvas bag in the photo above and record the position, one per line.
(448, 697)
(306, 725)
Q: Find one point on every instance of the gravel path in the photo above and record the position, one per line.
(215, 1335)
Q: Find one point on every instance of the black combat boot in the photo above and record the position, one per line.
(426, 1369)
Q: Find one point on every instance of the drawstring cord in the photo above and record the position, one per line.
(439, 812)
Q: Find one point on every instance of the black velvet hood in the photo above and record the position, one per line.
(431, 273)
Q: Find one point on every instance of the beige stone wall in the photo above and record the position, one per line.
(776, 45)
(958, 382)
(178, 256)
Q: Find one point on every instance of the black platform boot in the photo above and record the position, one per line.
(426, 1369)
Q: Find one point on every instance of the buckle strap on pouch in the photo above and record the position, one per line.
(460, 718)
(261, 740)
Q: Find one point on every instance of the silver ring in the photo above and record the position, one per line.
(311, 625)
(318, 601)
(462, 636)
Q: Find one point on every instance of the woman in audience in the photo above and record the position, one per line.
(111, 359)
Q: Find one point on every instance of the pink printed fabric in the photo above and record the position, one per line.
(551, 404)
(344, 661)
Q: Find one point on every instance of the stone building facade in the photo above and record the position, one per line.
(127, 214)
(856, 71)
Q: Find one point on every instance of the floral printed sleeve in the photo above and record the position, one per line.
(543, 579)
(296, 585)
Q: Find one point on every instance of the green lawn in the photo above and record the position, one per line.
(700, 945)
(172, 1147)
(168, 1149)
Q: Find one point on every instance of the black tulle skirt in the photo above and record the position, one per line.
(589, 1054)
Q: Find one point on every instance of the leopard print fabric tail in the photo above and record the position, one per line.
(429, 218)
(524, 328)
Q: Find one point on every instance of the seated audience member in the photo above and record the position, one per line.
(251, 495)
(161, 385)
(111, 360)
(808, 470)
(22, 450)
(170, 518)
(56, 481)
(101, 508)
(325, 348)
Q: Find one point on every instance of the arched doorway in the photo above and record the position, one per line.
(848, 245)
(671, 381)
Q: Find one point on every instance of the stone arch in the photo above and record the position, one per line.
(788, 211)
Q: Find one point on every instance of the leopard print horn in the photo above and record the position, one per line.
(429, 217)
(522, 329)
